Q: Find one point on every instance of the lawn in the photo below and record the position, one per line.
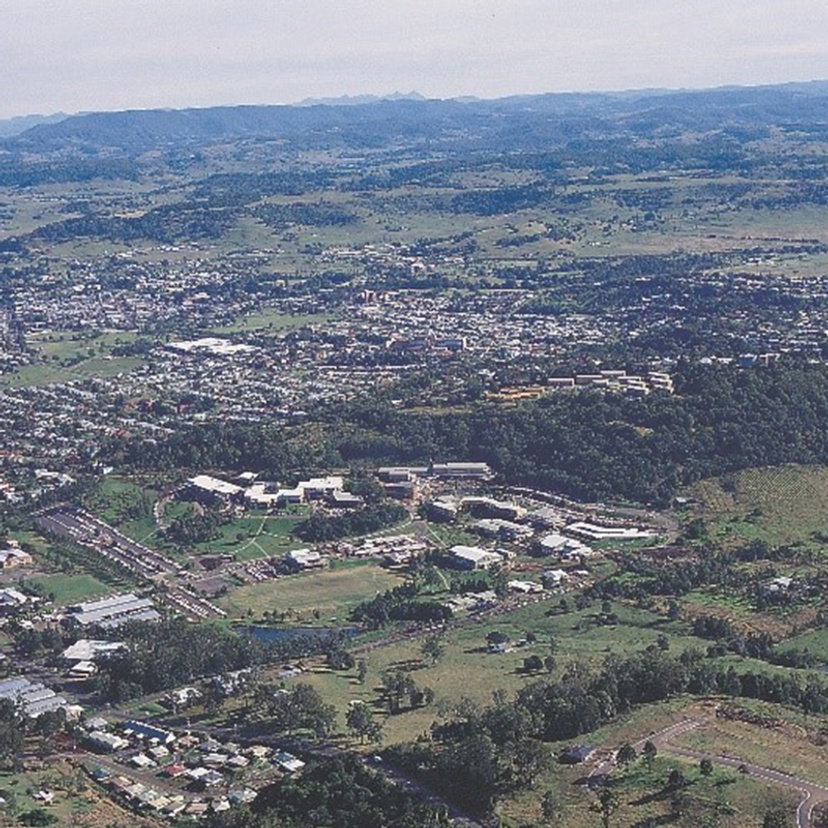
(331, 592)
(254, 536)
(49, 373)
(467, 671)
(71, 589)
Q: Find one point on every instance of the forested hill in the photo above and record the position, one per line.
(591, 445)
(520, 122)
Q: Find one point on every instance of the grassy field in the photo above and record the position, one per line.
(255, 536)
(331, 592)
(48, 373)
(781, 505)
(467, 670)
(71, 589)
(270, 320)
(786, 749)
(726, 798)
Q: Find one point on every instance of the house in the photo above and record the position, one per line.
(525, 587)
(554, 577)
(287, 761)
(13, 556)
(83, 670)
(12, 600)
(575, 754)
(102, 742)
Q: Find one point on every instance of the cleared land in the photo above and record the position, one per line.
(330, 592)
(780, 505)
(71, 589)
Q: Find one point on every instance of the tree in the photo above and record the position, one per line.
(300, 708)
(551, 808)
(676, 779)
(496, 639)
(362, 670)
(777, 818)
(433, 648)
(361, 722)
(626, 754)
(649, 752)
(608, 805)
(705, 767)
(533, 663)
(396, 686)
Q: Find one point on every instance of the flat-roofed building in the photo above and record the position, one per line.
(473, 557)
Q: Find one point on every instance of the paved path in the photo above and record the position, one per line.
(812, 794)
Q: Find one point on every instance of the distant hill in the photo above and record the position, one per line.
(355, 100)
(519, 123)
(20, 123)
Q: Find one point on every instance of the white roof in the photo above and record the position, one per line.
(473, 553)
(87, 649)
(214, 485)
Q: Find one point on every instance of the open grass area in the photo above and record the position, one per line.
(71, 589)
(468, 670)
(787, 749)
(49, 373)
(780, 505)
(816, 642)
(331, 592)
(255, 536)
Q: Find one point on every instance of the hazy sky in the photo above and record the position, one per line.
(74, 55)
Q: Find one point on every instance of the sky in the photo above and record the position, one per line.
(82, 55)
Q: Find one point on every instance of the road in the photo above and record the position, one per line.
(812, 794)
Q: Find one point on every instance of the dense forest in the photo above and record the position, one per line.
(335, 793)
(587, 444)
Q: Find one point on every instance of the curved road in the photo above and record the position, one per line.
(812, 794)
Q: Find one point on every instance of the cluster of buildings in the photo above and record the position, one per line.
(197, 775)
(111, 613)
(247, 491)
(503, 521)
(617, 380)
(35, 699)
